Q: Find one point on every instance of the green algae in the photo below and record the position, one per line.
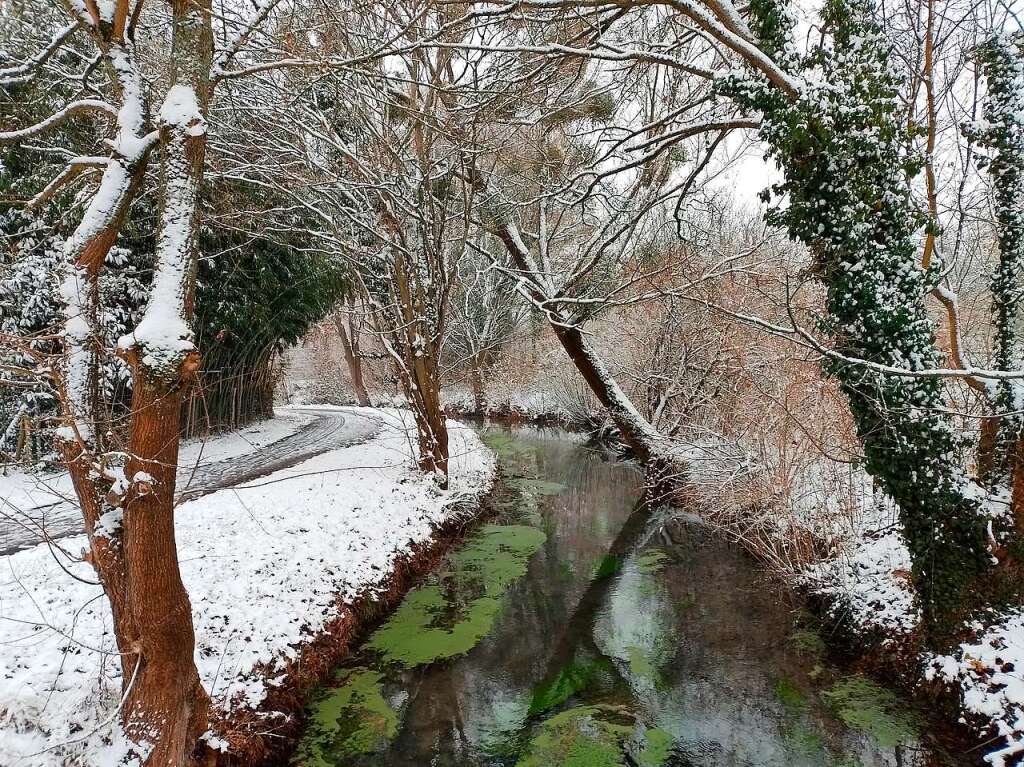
(571, 679)
(410, 639)
(596, 736)
(506, 446)
(804, 742)
(641, 666)
(657, 748)
(497, 556)
(606, 567)
(869, 708)
(448, 618)
(348, 720)
(651, 561)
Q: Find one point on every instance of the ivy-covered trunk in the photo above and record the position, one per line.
(1003, 137)
(840, 144)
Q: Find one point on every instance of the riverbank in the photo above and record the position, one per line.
(581, 627)
(837, 539)
(273, 567)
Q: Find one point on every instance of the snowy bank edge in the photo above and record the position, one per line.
(34, 730)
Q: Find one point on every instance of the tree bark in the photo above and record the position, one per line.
(350, 346)
(417, 368)
(166, 706)
(476, 381)
(166, 695)
(639, 435)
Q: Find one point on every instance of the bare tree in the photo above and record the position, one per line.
(126, 491)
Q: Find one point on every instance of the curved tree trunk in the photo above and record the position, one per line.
(636, 432)
(642, 438)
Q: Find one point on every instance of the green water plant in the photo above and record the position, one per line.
(869, 708)
(596, 736)
(571, 679)
(348, 720)
(651, 561)
(449, 617)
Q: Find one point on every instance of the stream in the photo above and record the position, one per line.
(578, 628)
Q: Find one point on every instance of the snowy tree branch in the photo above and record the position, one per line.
(85, 106)
(24, 71)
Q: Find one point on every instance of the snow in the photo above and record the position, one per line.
(989, 672)
(870, 584)
(181, 108)
(22, 491)
(264, 564)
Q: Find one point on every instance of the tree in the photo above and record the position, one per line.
(127, 494)
(1002, 135)
(839, 141)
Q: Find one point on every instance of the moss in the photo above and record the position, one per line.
(872, 710)
(351, 719)
(596, 736)
(651, 561)
(789, 695)
(434, 623)
(807, 643)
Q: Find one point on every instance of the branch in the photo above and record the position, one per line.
(224, 58)
(806, 339)
(23, 72)
(74, 108)
(73, 170)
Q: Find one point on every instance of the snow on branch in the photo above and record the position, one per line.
(84, 106)
(163, 340)
(73, 170)
(235, 44)
(24, 71)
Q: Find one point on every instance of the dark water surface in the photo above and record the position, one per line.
(580, 629)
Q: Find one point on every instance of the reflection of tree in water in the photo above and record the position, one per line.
(680, 634)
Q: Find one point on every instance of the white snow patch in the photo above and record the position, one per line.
(264, 565)
(869, 578)
(989, 671)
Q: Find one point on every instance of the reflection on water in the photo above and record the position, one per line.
(579, 629)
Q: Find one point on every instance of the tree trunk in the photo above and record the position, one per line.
(166, 706)
(476, 380)
(642, 438)
(166, 694)
(353, 360)
(636, 432)
(417, 369)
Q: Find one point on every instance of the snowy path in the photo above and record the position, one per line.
(267, 563)
(47, 509)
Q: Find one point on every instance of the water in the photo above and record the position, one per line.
(580, 629)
